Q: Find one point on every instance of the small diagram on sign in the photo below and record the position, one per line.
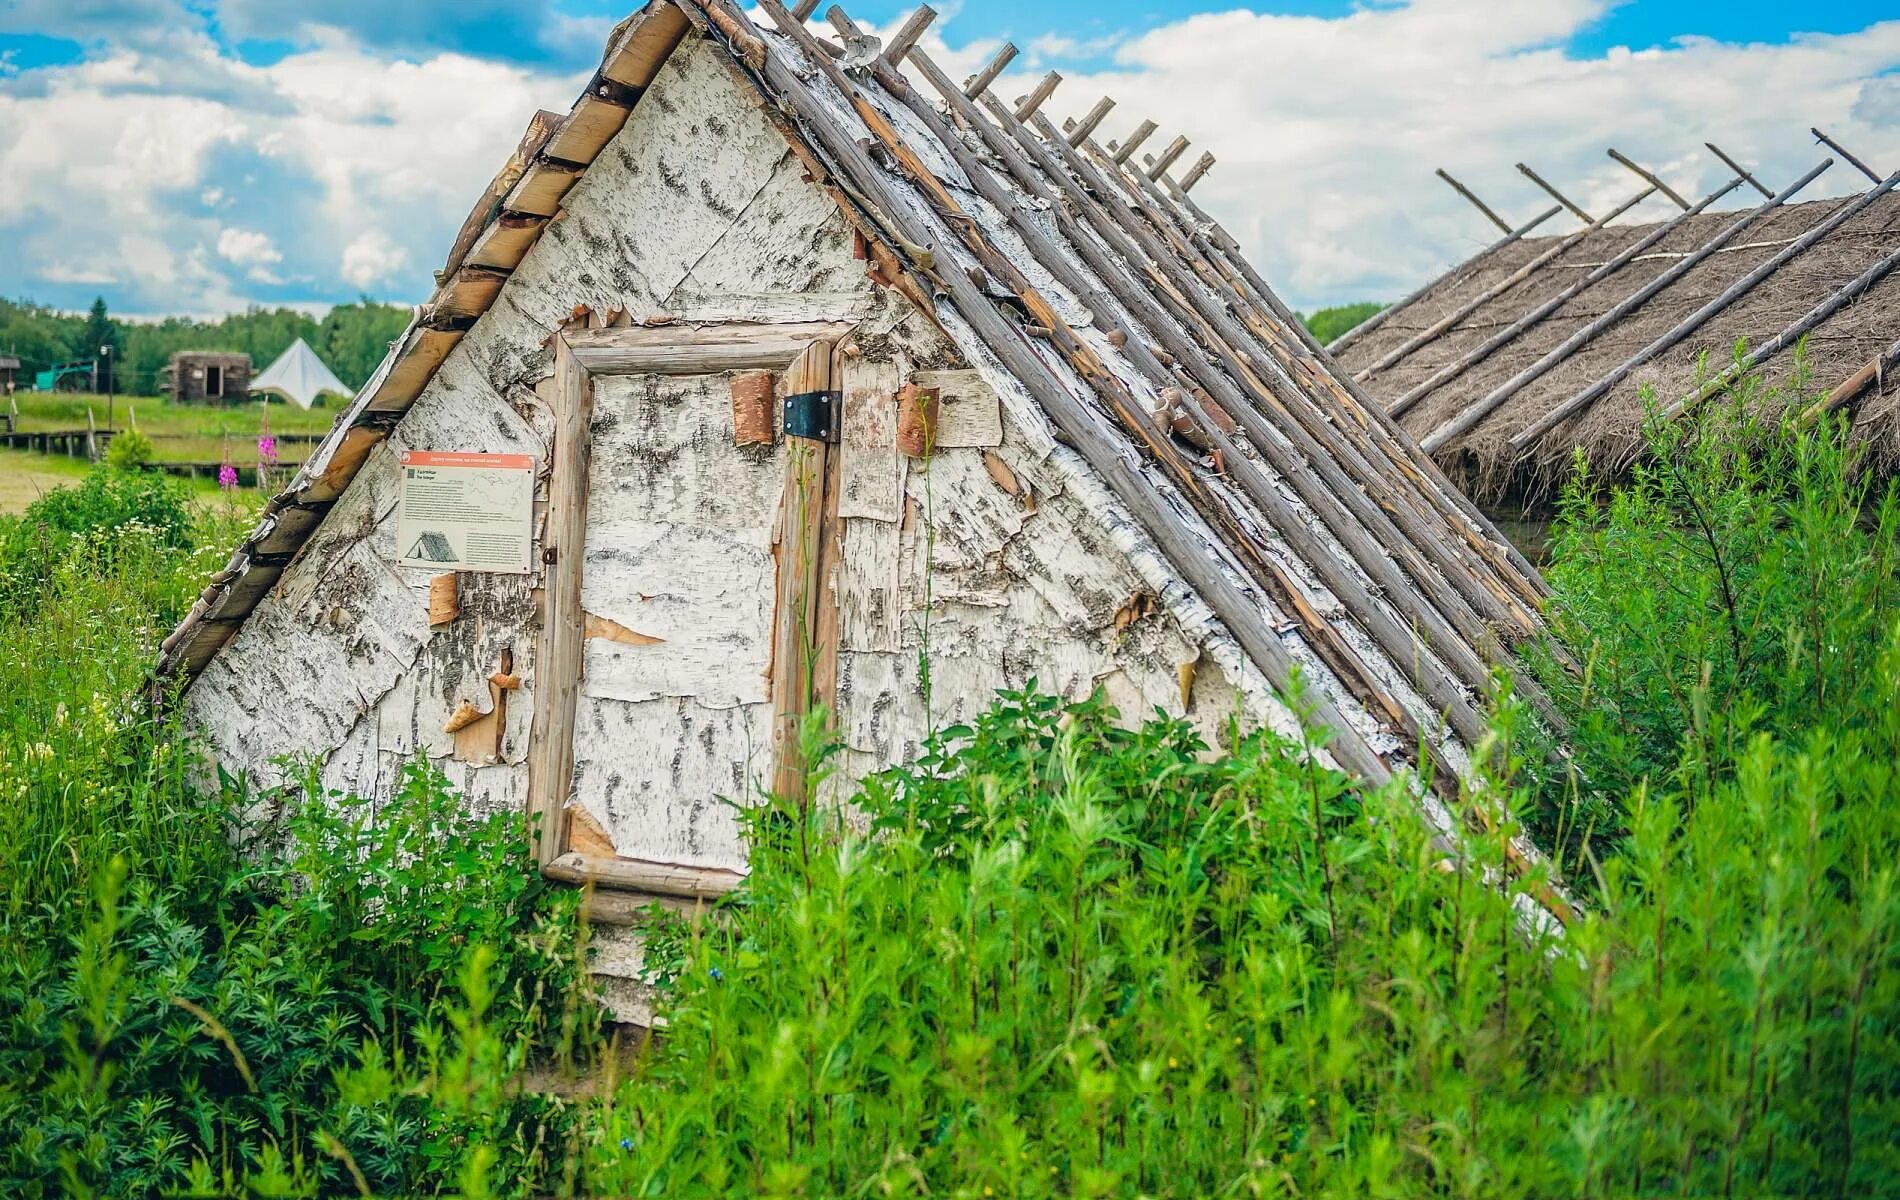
(434, 547)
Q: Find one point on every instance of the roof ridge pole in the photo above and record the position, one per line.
(1455, 275)
(1033, 101)
(1510, 332)
(983, 78)
(1648, 176)
(1847, 158)
(803, 10)
(1175, 149)
(1739, 169)
(1432, 332)
(1129, 143)
(1787, 337)
(1478, 409)
(1079, 130)
(1489, 214)
(907, 34)
(1689, 324)
(1556, 195)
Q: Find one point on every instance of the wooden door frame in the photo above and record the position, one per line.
(579, 356)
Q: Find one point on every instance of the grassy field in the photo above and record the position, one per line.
(25, 477)
(183, 433)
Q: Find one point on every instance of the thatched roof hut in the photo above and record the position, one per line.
(803, 388)
(1508, 363)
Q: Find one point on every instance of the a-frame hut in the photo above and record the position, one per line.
(1540, 346)
(824, 367)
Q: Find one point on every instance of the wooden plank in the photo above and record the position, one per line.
(870, 474)
(640, 875)
(587, 129)
(541, 187)
(410, 373)
(643, 45)
(802, 537)
(506, 241)
(562, 640)
(697, 349)
(469, 293)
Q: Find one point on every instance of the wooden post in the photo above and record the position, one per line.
(1472, 196)
(1079, 131)
(982, 79)
(1650, 177)
(92, 437)
(1847, 158)
(801, 538)
(1128, 144)
(1175, 149)
(561, 643)
(908, 33)
(1556, 195)
(1034, 99)
(1738, 168)
(804, 9)
(1201, 167)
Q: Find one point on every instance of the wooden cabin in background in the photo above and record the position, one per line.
(208, 377)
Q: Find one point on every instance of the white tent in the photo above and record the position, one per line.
(299, 376)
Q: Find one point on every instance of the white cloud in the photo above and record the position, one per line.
(371, 259)
(168, 171)
(247, 247)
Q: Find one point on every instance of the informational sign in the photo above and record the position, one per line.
(466, 512)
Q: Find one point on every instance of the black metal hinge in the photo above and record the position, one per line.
(812, 415)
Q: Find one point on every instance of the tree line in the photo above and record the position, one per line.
(351, 338)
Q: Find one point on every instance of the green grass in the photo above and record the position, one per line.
(182, 433)
(1051, 958)
(25, 477)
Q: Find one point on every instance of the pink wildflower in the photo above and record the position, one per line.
(227, 476)
(267, 450)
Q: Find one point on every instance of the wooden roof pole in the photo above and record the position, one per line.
(1033, 101)
(1450, 277)
(1175, 149)
(1432, 331)
(1648, 176)
(804, 9)
(1478, 409)
(1128, 144)
(1197, 172)
(1872, 373)
(982, 79)
(1397, 638)
(1079, 130)
(1695, 320)
(1830, 305)
(1240, 614)
(1556, 195)
(1476, 203)
(1138, 297)
(1356, 412)
(907, 34)
(1738, 168)
(1847, 158)
(1516, 328)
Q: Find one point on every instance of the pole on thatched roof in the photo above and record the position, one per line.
(1556, 195)
(1201, 167)
(1476, 203)
(1516, 328)
(1078, 131)
(1478, 409)
(1649, 176)
(1872, 373)
(804, 9)
(1849, 159)
(1738, 168)
(1033, 101)
(908, 33)
(1432, 332)
(1689, 324)
(1456, 275)
(975, 84)
(1799, 328)
(1129, 143)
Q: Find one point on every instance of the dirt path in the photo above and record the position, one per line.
(25, 477)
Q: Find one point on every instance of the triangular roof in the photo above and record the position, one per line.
(299, 376)
(1107, 310)
(1509, 362)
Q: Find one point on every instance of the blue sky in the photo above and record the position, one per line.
(200, 155)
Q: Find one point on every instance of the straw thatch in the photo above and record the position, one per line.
(1608, 430)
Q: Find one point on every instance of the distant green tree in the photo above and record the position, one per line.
(102, 342)
(1329, 323)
